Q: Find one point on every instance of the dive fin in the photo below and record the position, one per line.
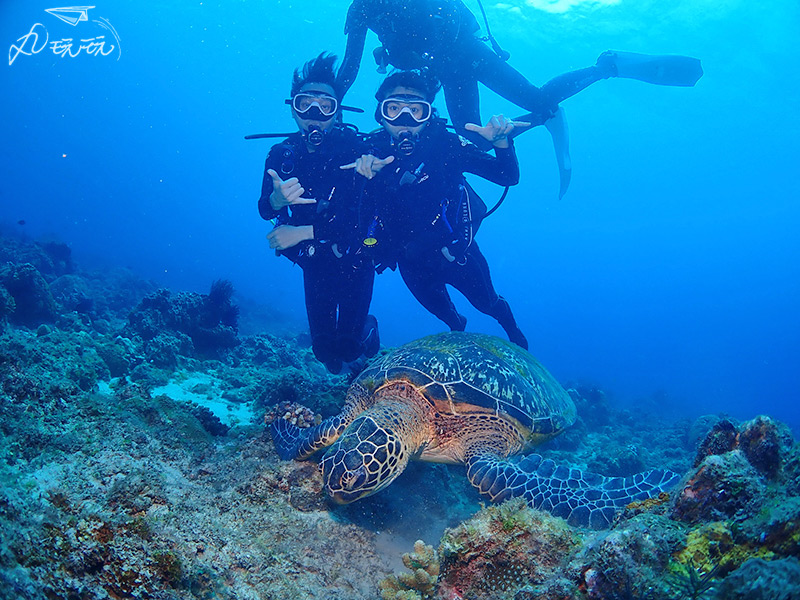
(557, 126)
(658, 69)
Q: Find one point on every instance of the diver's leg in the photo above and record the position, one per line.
(568, 84)
(355, 284)
(321, 311)
(505, 80)
(428, 288)
(463, 101)
(496, 74)
(473, 61)
(472, 278)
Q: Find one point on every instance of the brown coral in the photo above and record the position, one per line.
(647, 504)
(722, 485)
(420, 582)
(503, 549)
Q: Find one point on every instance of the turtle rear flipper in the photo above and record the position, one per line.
(583, 499)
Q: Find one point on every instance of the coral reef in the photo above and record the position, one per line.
(765, 443)
(630, 559)
(618, 443)
(134, 463)
(721, 486)
(758, 579)
(50, 258)
(7, 306)
(420, 583)
(167, 324)
(502, 549)
(692, 582)
(735, 470)
(297, 414)
(720, 439)
(33, 303)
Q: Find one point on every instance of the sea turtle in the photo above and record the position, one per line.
(461, 398)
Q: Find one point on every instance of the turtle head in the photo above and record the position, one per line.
(363, 461)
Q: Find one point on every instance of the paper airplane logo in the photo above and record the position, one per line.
(70, 14)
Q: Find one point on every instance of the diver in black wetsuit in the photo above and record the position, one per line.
(316, 207)
(440, 35)
(423, 206)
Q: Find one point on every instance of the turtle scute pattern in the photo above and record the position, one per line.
(480, 370)
(584, 499)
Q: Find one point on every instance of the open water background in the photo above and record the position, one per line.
(669, 275)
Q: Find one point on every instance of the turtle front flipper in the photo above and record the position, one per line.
(583, 499)
(293, 442)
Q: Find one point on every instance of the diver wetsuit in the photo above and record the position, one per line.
(414, 196)
(337, 278)
(441, 35)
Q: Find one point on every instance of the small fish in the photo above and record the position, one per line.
(21, 222)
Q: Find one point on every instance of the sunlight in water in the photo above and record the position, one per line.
(553, 6)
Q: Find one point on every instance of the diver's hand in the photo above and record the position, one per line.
(286, 236)
(496, 130)
(286, 192)
(368, 165)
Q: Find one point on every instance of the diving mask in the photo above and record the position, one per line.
(314, 106)
(405, 110)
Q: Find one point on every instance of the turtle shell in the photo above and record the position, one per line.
(458, 369)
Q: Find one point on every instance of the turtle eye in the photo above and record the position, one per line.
(353, 479)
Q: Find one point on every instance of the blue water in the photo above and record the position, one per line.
(669, 275)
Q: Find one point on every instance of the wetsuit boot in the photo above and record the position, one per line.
(502, 312)
(324, 348)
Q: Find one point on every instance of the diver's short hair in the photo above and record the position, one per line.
(418, 80)
(317, 70)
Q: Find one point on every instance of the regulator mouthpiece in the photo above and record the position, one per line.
(315, 135)
(406, 142)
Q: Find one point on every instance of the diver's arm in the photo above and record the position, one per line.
(368, 165)
(356, 38)
(264, 204)
(502, 169)
(286, 236)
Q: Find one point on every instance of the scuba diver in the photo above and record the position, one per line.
(426, 213)
(315, 206)
(441, 35)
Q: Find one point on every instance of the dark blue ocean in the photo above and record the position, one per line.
(669, 275)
